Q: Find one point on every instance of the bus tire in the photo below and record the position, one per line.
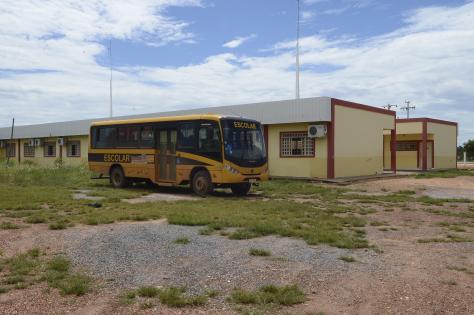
(201, 183)
(117, 177)
(240, 189)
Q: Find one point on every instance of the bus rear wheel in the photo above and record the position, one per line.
(240, 189)
(117, 177)
(202, 184)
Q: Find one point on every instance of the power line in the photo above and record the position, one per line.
(390, 106)
(298, 51)
(407, 108)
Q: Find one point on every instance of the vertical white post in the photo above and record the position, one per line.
(465, 158)
(110, 61)
(298, 53)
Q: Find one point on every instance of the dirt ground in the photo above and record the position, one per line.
(403, 276)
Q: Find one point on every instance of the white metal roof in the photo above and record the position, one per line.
(277, 112)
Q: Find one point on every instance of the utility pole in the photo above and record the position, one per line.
(298, 51)
(8, 147)
(110, 64)
(408, 108)
(389, 106)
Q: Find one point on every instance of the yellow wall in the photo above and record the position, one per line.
(444, 137)
(358, 147)
(407, 160)
(304, 167)
(409, 128)
(41, 160)
(445, 141)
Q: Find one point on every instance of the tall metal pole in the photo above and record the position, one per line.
(110, 62)
(298, 52)
(8, 147)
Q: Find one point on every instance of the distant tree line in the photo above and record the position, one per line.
(467, 147)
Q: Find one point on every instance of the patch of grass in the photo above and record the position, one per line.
(206, 231)
(242, 235)
(460, 269)
(35, 219)
(182, 241)
(146, 305)
(58, 263)
(259, 252)
(31, 267)
(76, 284)
(58, 225)
(175, 297)
(147, 291)
(348, 259)
(128, 297)
(406, 192)
(269, 294)
(3, 290)
(378, 223)
(445, 173)
(9, 226)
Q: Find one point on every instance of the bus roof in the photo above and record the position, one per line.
(163, 119)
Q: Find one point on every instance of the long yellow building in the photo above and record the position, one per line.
(319, 137)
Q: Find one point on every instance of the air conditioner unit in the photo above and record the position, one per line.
(37, 142)
(31, 142)
(317, 131)
(61, 141)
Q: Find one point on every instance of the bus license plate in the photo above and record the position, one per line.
(252, 180)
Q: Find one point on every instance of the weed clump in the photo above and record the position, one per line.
(259, 252)
(269, 294)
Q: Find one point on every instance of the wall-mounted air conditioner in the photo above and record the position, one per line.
(317, 131)
(37, 142)
(31, 142)
(61, 141)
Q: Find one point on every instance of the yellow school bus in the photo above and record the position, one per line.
(203, 151)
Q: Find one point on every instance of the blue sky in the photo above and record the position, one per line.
(174, 54)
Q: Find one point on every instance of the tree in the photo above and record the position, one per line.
(469, 149)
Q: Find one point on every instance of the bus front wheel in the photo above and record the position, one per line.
(241, 189)
(117, 177)
(202, 184)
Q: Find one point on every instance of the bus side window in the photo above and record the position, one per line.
(147, 138)
(129, 137)
(209, 140)
(186, 137)
(105, 137)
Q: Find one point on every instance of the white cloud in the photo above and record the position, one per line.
(236, 42)
(428, 61)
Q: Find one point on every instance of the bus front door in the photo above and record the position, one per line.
(166, 168)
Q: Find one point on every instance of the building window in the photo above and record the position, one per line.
(407, 146)
(50, 149)
(28, 150)
(296, 144)
(11, 149)
(74, 148)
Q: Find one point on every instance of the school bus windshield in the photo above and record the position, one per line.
(243, 142)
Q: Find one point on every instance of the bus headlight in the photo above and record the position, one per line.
(231, 169)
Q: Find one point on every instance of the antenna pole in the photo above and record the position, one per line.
(110, 64)
(390, 106)
(408, 108)
(298, 52)
(8, 147)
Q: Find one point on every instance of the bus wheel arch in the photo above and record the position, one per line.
(117, 176)
(201, 182)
